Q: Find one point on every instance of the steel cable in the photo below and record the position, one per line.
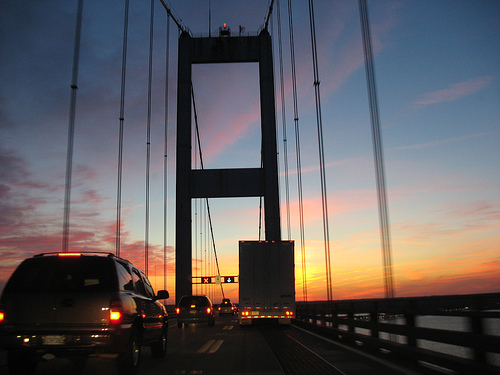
(297, 152)
(378, 152)
(120, 135)
(319, 123)
(71, 128)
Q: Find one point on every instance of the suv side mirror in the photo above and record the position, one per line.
(162, 294)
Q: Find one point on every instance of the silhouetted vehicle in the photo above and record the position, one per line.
(195, 309)
(76, 304)
(226, 307)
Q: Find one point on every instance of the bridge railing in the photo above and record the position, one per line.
(457, 333)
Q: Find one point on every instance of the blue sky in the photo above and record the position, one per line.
(437, 66)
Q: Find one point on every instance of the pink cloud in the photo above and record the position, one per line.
(453, 91)
(441, 142)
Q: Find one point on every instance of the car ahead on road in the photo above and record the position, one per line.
(195, 309)
(226, 307)
(77, 304)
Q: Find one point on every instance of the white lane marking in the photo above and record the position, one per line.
(205, 347)
(211, 346)
(227, 328)
(215, 346)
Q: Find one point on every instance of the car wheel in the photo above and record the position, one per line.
(159, 347)
(128, 362)
(22, 362)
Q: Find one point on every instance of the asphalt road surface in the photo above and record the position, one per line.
(230, 349)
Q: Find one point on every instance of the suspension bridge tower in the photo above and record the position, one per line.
(217, 183)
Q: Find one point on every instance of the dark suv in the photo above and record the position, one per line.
(195, 309)
(76, 304)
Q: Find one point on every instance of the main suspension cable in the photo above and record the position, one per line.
(324, 200)
(71, 128)
(378, 152)
(169, 12)
(206, 199)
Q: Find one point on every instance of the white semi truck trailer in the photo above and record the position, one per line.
(266, 281)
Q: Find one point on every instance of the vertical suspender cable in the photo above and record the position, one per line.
(120, 135)
(324, 201)
(283, 119)
(165, 158)
(378, 152)
(71, 128)
(148, 140)
(297, 152)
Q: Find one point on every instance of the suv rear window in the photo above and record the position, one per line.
(198, 301)
(54, 274)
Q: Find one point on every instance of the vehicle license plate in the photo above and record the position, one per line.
(53, 340)
(192, 311)
(255, 313)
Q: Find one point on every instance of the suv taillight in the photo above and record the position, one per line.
(209, 310)
(115, 311)
(2, 316)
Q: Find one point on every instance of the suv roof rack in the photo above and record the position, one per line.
(100, 253)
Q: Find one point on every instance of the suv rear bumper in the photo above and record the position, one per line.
(102, 339)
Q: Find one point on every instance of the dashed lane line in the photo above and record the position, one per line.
(210, 347)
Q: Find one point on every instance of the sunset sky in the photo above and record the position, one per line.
(437, 66)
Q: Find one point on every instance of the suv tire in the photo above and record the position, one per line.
(128, 362)
(22, 362)
(159, 347)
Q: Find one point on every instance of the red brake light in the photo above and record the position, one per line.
(193, 306)
(209, 310)
(225, 25)
(115, 312)
(177, 311)
(115, 316)
(2, 316)
(69, 254)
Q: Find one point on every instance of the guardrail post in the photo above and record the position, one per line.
(410, 323)
(374, 321)
(476, 325)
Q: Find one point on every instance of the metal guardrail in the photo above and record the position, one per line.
(396, 327)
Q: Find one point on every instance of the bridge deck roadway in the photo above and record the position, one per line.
(228, 348)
